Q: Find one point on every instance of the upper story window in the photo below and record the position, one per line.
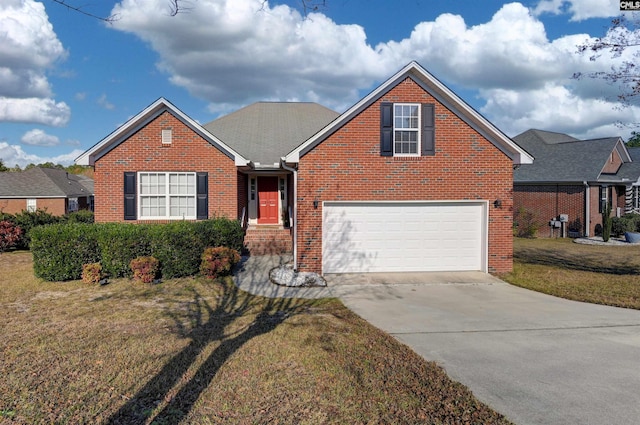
(407, 129)
(32, 205)
(167, 195)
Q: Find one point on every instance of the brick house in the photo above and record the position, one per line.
(576, 178)
(50, 189)
(410, 178)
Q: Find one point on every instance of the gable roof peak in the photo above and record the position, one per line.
(441, 93)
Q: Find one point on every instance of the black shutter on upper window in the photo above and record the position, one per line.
(386, 129)
(202, 191)
(130, 196)
(428, 129)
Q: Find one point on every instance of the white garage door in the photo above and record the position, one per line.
(403, 237)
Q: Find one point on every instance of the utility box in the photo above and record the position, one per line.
(564, 218)
(555, 223)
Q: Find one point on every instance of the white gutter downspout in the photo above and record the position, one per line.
(295, 212)
(587, 218)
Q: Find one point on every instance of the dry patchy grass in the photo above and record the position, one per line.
(197, 352)
(607, 275)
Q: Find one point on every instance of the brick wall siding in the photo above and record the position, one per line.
(54, 206)
(143, 151)
(348, 166)
(546, 202)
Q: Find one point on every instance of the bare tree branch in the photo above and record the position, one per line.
(623, 34)
(79, 9)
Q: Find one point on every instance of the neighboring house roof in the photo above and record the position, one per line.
(139, 121)
(44, 183)
(264, 131)
(631, 170)
(442, 94)
(562, 158)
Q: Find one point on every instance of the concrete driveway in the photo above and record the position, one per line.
(536, 359)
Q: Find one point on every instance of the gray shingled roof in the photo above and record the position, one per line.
(631, 170)
(44, 182)
(266, 131)
(562, 158)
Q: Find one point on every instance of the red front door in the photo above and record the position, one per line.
(267, 200)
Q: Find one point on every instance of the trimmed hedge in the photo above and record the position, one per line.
(60, 250)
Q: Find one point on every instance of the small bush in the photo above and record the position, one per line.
(626, 223)
(29, 220)
(9, 235)
(145, 269)
(606, 224)
(524, 224)
(92, 273)
(218, 261)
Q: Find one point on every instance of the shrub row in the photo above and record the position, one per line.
(626, 223)
(26, 221)
(60, 250)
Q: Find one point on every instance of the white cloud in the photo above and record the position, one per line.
(37, 137)
(34, 110)
(234, 52)
(579, 10)
(238, 51)
(13, 154)
(28, 48)
(102, 101)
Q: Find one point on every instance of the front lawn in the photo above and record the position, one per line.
(192, 351)
(598, 274)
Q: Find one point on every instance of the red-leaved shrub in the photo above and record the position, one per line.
(145, 269)
(218, 261)
(9, 235)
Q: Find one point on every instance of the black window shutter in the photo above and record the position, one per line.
(130, 196)
(428, 129)
(386, 129)
(202, 190)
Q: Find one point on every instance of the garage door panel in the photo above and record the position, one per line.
(379, 237)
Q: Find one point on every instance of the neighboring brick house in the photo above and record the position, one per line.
(50, 189)
(408, 179)
(576, 178)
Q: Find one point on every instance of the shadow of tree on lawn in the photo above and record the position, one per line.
(207, 324)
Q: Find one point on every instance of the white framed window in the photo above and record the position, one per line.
(167, 195)
(406, 129)
(32, 205)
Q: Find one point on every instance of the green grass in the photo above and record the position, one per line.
(200, 352)
(597, 274)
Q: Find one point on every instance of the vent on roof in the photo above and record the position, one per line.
(166, 137)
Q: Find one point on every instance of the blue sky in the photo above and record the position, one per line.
(67, 80)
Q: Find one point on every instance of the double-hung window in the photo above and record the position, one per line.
(166, 195)
(406, 129)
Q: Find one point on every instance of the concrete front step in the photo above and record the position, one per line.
(268, 240)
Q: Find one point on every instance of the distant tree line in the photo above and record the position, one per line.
(71, 169)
